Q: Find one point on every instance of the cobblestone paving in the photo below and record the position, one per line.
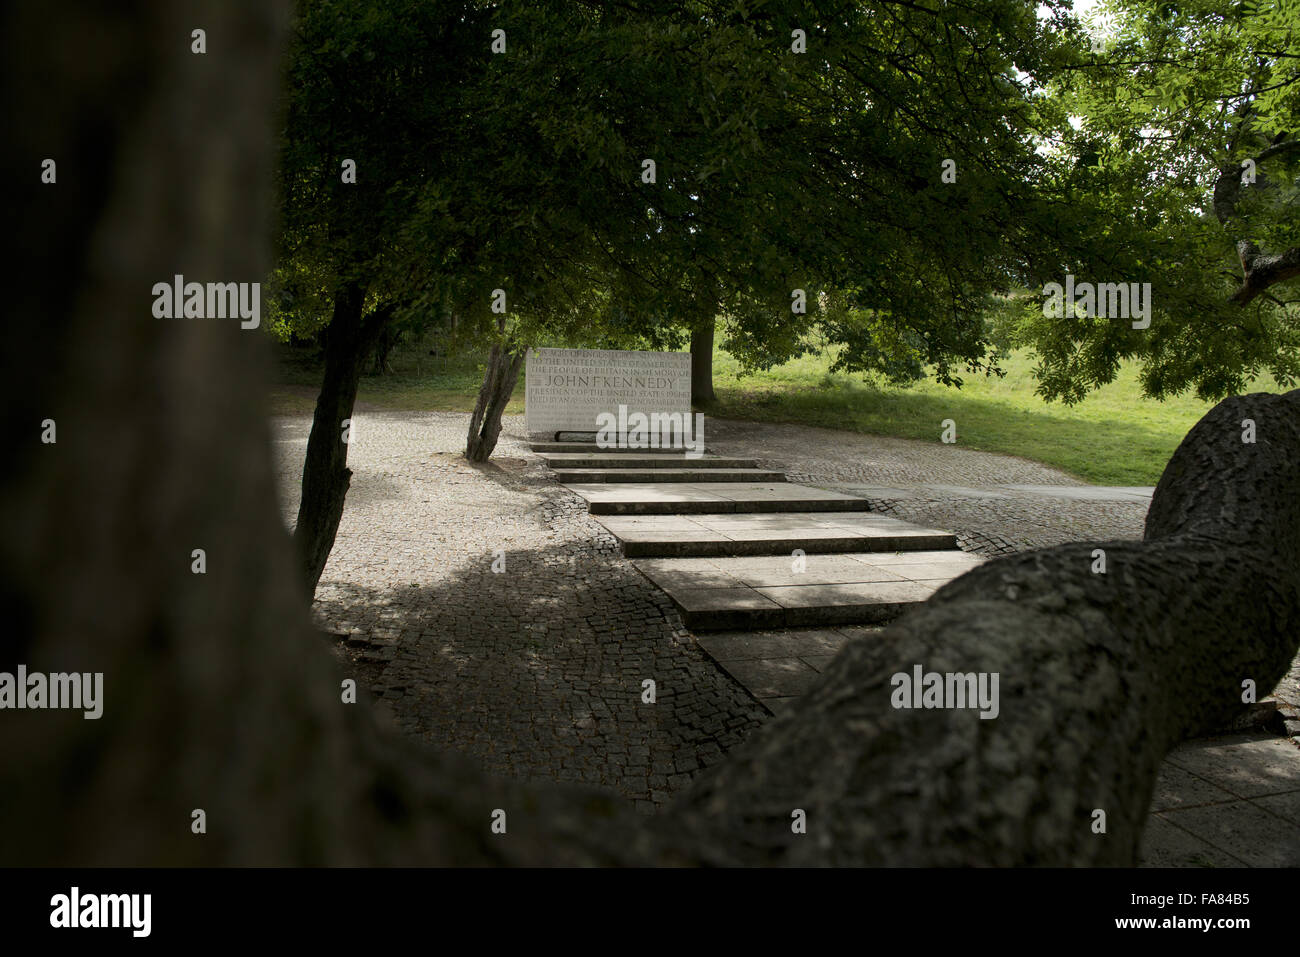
(1002, 526)
(535, 672)
(851, 457)
(991, 526)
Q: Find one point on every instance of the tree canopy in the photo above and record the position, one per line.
(795, 146)
(1183, 171)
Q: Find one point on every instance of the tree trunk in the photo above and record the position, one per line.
(388, 338)
(499, 380)
(325, 473)
(218, 696)
(702, 363)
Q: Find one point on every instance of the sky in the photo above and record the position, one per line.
(1081, 8)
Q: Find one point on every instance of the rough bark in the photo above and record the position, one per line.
(325, 474)
(702, 363)
(217, 694)
(1259, 269)
(499, 379)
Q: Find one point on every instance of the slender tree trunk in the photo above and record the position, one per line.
(388, 338)
(702, 363)
(325, 473)
(499, 381)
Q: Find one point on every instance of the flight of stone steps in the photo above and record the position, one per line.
(736, 546)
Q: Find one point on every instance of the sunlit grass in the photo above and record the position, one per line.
(1113, 437)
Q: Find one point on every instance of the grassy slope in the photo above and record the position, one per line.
(1114, 437)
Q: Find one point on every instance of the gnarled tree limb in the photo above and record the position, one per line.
(1100, 675)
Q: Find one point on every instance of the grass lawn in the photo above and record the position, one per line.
(1114, 437)
(423, 385)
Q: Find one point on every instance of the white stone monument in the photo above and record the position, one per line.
(568, 390)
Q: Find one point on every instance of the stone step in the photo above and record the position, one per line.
(658, 475)
(710, 534)
(635, 460)
(651, 498)
(715, 594)
(591, 448)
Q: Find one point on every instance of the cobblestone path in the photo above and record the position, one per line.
(537, 671)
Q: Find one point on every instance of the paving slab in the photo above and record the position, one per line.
(818, 662)
(674, 474)
(812, 596)
(1244, 830)
(1285, 806)
(685, 498)
(682, 543)
(1247, 765)
(772, 677)
(726, 596)
(638, 524)
(676, 573)
(801, 643)
(825, 570)
(641, 460)
(740, 606)
(770, 534)
(766, 591)
(1177, 788)
(770, 571)
(1167, 845)
(931, 571)
(921, 557)
(550, 448)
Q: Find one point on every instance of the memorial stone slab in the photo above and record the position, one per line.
(568, 389)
